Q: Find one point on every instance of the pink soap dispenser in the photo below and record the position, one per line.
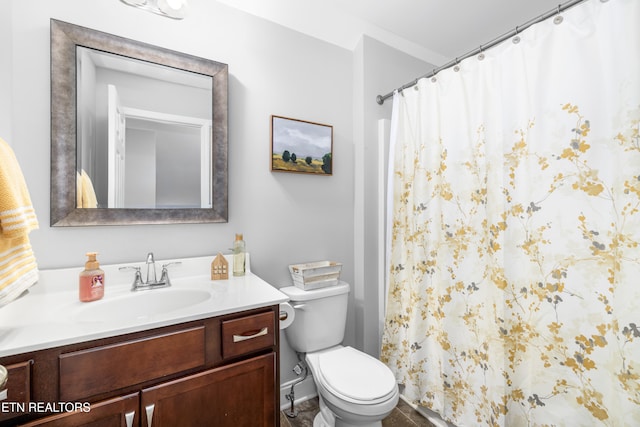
(91, 279)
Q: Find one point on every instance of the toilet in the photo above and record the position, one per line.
(354, 389)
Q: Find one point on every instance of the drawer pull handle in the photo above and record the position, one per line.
(149, 409)
(250, 335)
(128, 418)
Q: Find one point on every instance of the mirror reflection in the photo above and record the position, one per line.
(144, 134)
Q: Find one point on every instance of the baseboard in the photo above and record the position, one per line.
(304, 390)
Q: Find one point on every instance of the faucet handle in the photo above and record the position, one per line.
(164, 277)
(137, 280)
(164, 266)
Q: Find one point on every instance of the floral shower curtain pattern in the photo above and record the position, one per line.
(514, 270)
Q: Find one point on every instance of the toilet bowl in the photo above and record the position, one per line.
(354, 388)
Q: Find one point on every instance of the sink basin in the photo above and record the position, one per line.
(141, 305)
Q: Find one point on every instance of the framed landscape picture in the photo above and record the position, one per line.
(301, 147)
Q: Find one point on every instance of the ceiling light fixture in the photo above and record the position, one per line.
(176, 9)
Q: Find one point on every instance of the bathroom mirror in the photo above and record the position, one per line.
(138, 132)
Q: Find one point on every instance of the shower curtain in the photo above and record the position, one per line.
(514, 258)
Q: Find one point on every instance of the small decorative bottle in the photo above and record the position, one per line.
(91, 280)
(239, 251)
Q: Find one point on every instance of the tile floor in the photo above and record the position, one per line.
(402, 416)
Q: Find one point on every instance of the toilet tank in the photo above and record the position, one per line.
(320, 317)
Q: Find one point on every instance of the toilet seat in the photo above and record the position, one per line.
(355, 377)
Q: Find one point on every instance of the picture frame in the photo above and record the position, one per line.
(300, 146)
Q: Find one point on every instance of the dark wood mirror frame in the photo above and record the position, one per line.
(64, 39)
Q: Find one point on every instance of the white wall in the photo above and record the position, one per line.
(285, 218)
(378, 70)
(6, 38)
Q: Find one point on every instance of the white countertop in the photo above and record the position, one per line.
(48, 316)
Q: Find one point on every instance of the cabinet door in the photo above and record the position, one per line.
(116, 412)
(237, 395)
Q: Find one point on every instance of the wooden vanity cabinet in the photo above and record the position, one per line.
(221, 371)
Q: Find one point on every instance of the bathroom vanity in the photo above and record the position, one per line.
(201, 352)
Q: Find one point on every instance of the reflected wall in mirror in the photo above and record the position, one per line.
(139, 133)
(144, 134)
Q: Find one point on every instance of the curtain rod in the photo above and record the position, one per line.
(561, 7)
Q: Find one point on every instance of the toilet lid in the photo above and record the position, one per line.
(355, 375)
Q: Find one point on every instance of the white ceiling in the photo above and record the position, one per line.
(435, 31)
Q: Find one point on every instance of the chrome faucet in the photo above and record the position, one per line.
(151, 282)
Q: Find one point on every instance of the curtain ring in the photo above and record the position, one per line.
(516, 38)
(433, 76)
(558, 19)
(481, 54)
(457, 66)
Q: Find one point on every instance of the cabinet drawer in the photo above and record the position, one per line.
(248, 334)
(18, 388)
(103, 369)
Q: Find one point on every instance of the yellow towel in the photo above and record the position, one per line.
(85, 193)
(18, 268)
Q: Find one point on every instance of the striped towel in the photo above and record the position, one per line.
(18, 268)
